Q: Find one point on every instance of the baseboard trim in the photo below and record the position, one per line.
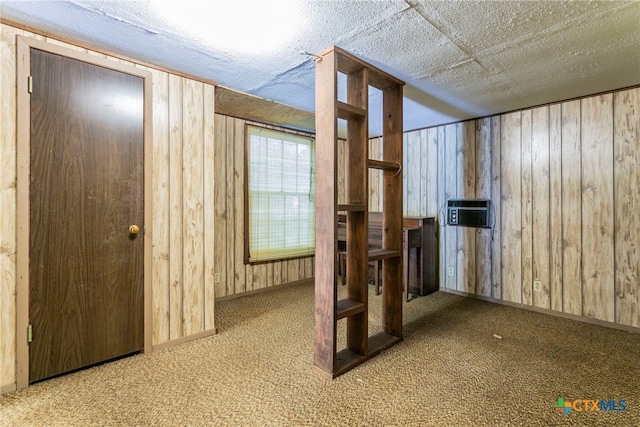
(267, 289)
(597, 322)
(183, 340)
(8, 388)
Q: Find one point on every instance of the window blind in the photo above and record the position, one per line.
(281, 194)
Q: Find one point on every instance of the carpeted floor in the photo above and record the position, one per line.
(463, 362)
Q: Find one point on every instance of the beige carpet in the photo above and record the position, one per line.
(450, 370)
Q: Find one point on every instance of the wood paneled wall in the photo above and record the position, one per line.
(8, 204)
(565, 186)
(564, 181)
(184, 209)
(236, 277)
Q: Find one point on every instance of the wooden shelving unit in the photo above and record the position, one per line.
(354, 308)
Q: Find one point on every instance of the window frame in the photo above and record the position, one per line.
(247, 142)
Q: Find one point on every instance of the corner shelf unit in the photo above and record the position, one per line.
(354, 308)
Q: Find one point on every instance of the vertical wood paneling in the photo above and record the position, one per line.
(466, 174)
(555, 206)
(527, 209)
(627, 206)
(176, 205)
(592, 203)
(160, 226)
(450, 186)
(496, 201)
(540, 204)
(220, 205)
(442, 197)
(373, 182)
(483, 190)
(8, 105)
(423, 153)
(511, 207)
(597, 208)
(193, 204)
(412, 173)
(405, 175)
(238, 200)
(431, 168)
(342, 199)
(209, 232)
(231, 208)
(235, 276)
(571, 209)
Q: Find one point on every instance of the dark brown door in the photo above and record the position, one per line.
(86, 190)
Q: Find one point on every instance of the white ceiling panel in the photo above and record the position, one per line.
(460, 59)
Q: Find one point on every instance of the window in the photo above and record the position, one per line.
(279, 195)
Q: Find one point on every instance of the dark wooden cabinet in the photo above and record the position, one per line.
(421, 255)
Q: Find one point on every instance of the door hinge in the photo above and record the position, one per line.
(30, 84)
(29, 333)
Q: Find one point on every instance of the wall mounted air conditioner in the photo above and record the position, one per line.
(469, 212)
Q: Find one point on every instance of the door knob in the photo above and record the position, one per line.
(134, 229)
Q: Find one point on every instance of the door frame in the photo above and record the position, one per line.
(23, 134)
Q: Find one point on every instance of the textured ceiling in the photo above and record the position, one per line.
(460, 59)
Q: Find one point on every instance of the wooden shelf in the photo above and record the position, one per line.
(360, 77)
(353, 207)
(388, 166)
(347, 359)
(347, 307)
(347, 111)
(348, 63)
(378, 254)
(381, 341)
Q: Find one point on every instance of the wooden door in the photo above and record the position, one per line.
(86, 190)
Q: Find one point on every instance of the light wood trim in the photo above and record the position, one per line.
(24, 44)
(8, 388)
(8, 273)
(258, 291)
(538, 162)
(184, 340)
(249, 107)
(590, 321)
(22, 221)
